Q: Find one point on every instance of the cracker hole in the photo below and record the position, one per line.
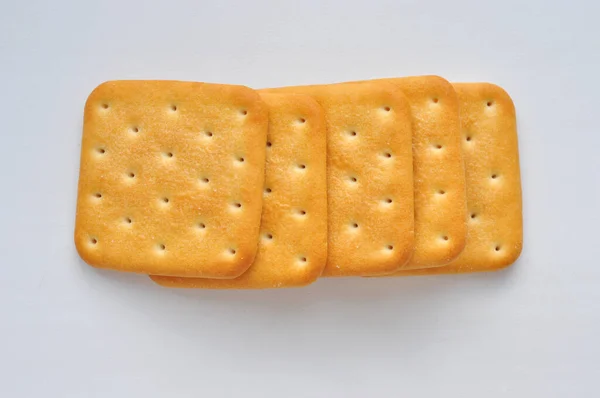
(244, 112)
(302, 259)
(205, 180)
(387, 108)
(445, 237)
(93, 241)
(241, 160)
(131, 174)
(389, 247)
(269, 144)
(302, 166)
(104, 106)
(232, 251)
(468, 138)
(490, 103)
(237, 205)
(494, 176)
(201, 225)
(174, 108)
(473, 215)
(438, 146)
(388, 201)
(387, 155)
(168, 154)
(354, 225)
(208, 133)
(267, 190)
(441, 192)
(268, 236)
(497, 248)
(353, 179)
(135, 129)
(301, 212)
(98, 195)
(128, 220)
(352, 133)
(165, 200)
(101, 151)
(435, 100)
(302, 120)
(162, 247)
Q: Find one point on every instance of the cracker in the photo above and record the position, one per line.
(369, 177)
(489, 141)
(439, 178)
(171, 178)
(293, 247)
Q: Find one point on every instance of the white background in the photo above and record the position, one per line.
(67, 330)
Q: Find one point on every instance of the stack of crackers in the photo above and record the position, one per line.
(218, 186)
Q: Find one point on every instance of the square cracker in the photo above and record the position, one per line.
(439, 177)
(489, 141)
(293, 247)
(171, 178)
(369, 177)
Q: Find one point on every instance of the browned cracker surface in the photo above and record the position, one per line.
(489, 141)
(293, 245)
(171, 178)
(369, 177)
(439, 179)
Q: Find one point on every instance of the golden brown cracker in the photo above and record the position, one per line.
(439, 179)
(369, 177)
(489, 142)
(293, 245)
(171, 178)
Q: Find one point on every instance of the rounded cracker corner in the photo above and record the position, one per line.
(311, 274)
(248, 97)
(432, 82)
(234, 268)
(165, 281)
(490, 91)
(393, 263)
(443, 257)
(437, 79)
(310, 106)
(442, 87)
(457, 245)
(82, 250)
(499, 94)
(451, 254)
(307, 278)
(511, 259)
(455, 251)
(98, 92)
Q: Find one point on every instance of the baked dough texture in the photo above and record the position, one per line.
(369, 176)
(489, 142)
(171, 178)
(439, 177)
(292, 249)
